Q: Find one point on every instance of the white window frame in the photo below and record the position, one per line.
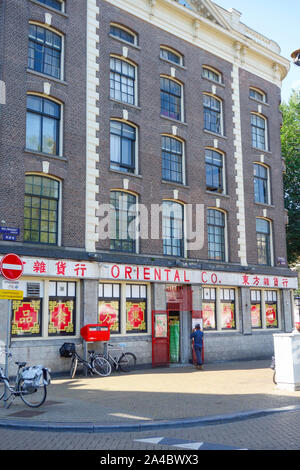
(266, 147)
(211, 69)
(62, 54)
(169, 49)
(269, 199)
(127, 30)
(221, 114)
(258, 92)
(132, 64)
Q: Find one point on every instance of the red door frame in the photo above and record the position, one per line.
(160, 344)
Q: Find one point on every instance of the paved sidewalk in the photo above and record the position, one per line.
(153, 398)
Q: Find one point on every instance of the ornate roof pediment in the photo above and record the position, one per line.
(205, 9)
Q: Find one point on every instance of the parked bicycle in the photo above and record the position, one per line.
(96, 364)
(30, 385)
(125, 361)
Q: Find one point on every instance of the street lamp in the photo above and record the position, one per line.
(296, 57)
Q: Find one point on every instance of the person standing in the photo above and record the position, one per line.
(197, 336)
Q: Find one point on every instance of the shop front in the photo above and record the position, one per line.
(150, 309)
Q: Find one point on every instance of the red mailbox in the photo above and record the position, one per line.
(98, 332)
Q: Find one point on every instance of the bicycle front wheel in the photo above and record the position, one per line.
(32, 396)
(74, 365)
(101, 366)
(127, 362)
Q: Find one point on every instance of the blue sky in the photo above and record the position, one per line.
(278, 20)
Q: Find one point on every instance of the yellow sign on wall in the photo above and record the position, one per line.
(8, 294)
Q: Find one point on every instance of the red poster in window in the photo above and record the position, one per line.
(26, 317)
(271, 320)
(61, 316)
(109, 313)
(136, 316)
(209, 315)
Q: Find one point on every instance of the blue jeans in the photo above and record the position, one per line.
(198, 352)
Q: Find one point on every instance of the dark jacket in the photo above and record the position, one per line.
(198, 338)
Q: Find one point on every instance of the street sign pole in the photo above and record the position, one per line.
(11, 267)
(7, 348)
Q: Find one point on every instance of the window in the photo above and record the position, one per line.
(259, 132)
(109, 306)
(264, 309)
(173, 240)
(122, 81)
(257, 95)
(216, 235)
(214, 171)
(255, 297)
(172, 159)
(123, 221)
(122, 147)
(171, 98)
(212, 114)
(170, 55)
(122, 33)
(136, 308)
(56, 4)
(44, 51)
(41, 210)
(62, 308)
(271, 311)
(49, 309)
(261, 186)
(209, 308)
(227, 301)
(27, 313)
(42, 125)
(263, 236)
(211, 74)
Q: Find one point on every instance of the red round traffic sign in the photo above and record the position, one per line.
(11, 267)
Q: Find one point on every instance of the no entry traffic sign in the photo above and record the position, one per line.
(11, 267)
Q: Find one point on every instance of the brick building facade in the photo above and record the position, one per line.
(165, 105)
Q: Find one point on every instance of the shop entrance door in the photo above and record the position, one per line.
(160, 338)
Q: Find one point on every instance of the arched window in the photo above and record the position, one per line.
(171, 96)
(122, 80)
(123, 33)
(259, 132)
(213, 120)
(43, 121)
(264, 241)
(172, 159)
(214, 168)
(56, 4)
(171, 55)
(212, 74)
(173, 231)
(257, 95)
(261, 183)
(45, 51)
(122, 146)
(123, 221)
(41, 209)
(216, 235)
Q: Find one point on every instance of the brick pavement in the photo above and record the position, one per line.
(158, 396)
